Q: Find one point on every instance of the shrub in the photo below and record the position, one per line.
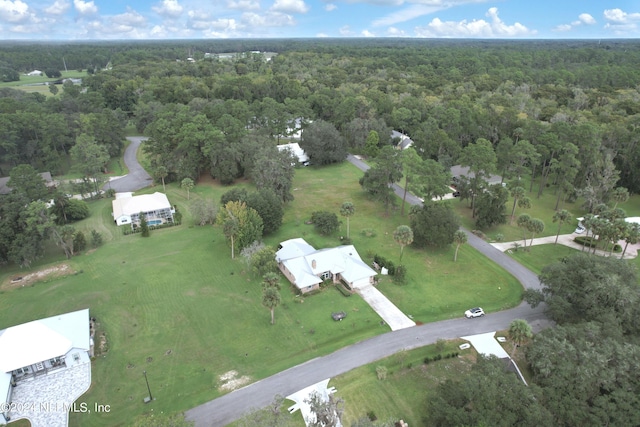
(368, 232)
(586, 241)
(381, 372)
(110, 193)
(343, 290)
(427, 360)
(372, 416)
(79, 242)
(383, 262)
(96, 238)
(400, 275)
(325, 222)
(499, 237)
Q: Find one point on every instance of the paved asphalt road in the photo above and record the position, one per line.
(137, 177)
(230, 407)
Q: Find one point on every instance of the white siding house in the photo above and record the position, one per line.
(155, 207)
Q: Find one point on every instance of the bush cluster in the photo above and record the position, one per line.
(383, 262)
(437, 357)
(128, 231)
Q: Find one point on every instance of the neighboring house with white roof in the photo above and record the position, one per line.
(35, 73)
(297, 152)
(306, 267)
(155, 208)
(404, 141)
(39, 348)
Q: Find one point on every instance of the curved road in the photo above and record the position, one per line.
(234, 405)
(137, 177)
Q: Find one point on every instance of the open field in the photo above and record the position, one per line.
(176, 306)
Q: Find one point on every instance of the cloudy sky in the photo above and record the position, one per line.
(196, 19)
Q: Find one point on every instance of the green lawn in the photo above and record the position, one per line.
(537, 257)
(408, 385)
(176, 306)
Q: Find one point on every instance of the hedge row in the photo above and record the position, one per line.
(128, 231)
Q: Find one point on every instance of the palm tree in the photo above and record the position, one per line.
(271, 299)
(187, 184)
(519, 333)
(403, 236)
(535, 226)
(459, 238)
(561, 217)
(517, 193)
(523, 222)
(271, 280)
(347, 210)
(619, 195)
(631, 236)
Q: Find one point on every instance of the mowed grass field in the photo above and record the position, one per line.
(176, 306)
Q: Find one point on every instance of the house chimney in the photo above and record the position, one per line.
(313, 264)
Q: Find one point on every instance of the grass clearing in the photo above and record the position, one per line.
(537, 257)
(176, 306)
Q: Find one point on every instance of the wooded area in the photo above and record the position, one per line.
(565, 113)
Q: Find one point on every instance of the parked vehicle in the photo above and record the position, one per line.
(474, 312)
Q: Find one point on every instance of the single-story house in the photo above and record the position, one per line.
(39, 348)
(297, 151)
(457, 171)
(35, 73)
(46, 177)
(404, 141)
(155, 208)
(306, 267)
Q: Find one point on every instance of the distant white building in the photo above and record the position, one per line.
(297, 151)
(155, 208)
(404, 141)
(35, 73)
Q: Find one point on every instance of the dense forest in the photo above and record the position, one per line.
(566, 113)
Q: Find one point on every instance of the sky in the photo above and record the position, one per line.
(44, 20)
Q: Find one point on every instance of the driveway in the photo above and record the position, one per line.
(234, 405)
(137, 178)
(568, 240)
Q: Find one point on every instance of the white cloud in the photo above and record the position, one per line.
(168, 9)
(130, 18)
(322, 35)
(406, 14)
(395, 32)
(495, 27)
(563, 27)
(244, 5)
(620, 17)
(367, 33)
(345, 31)
(85, 7)
(14, 11)
(225, 25)
(290, 6)
(271, 19)
(620, 22)
(585, 18)
(330, 7)
(58, 8)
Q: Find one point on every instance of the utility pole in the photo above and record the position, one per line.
(148, 398)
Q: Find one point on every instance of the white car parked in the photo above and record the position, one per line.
(474, 312)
